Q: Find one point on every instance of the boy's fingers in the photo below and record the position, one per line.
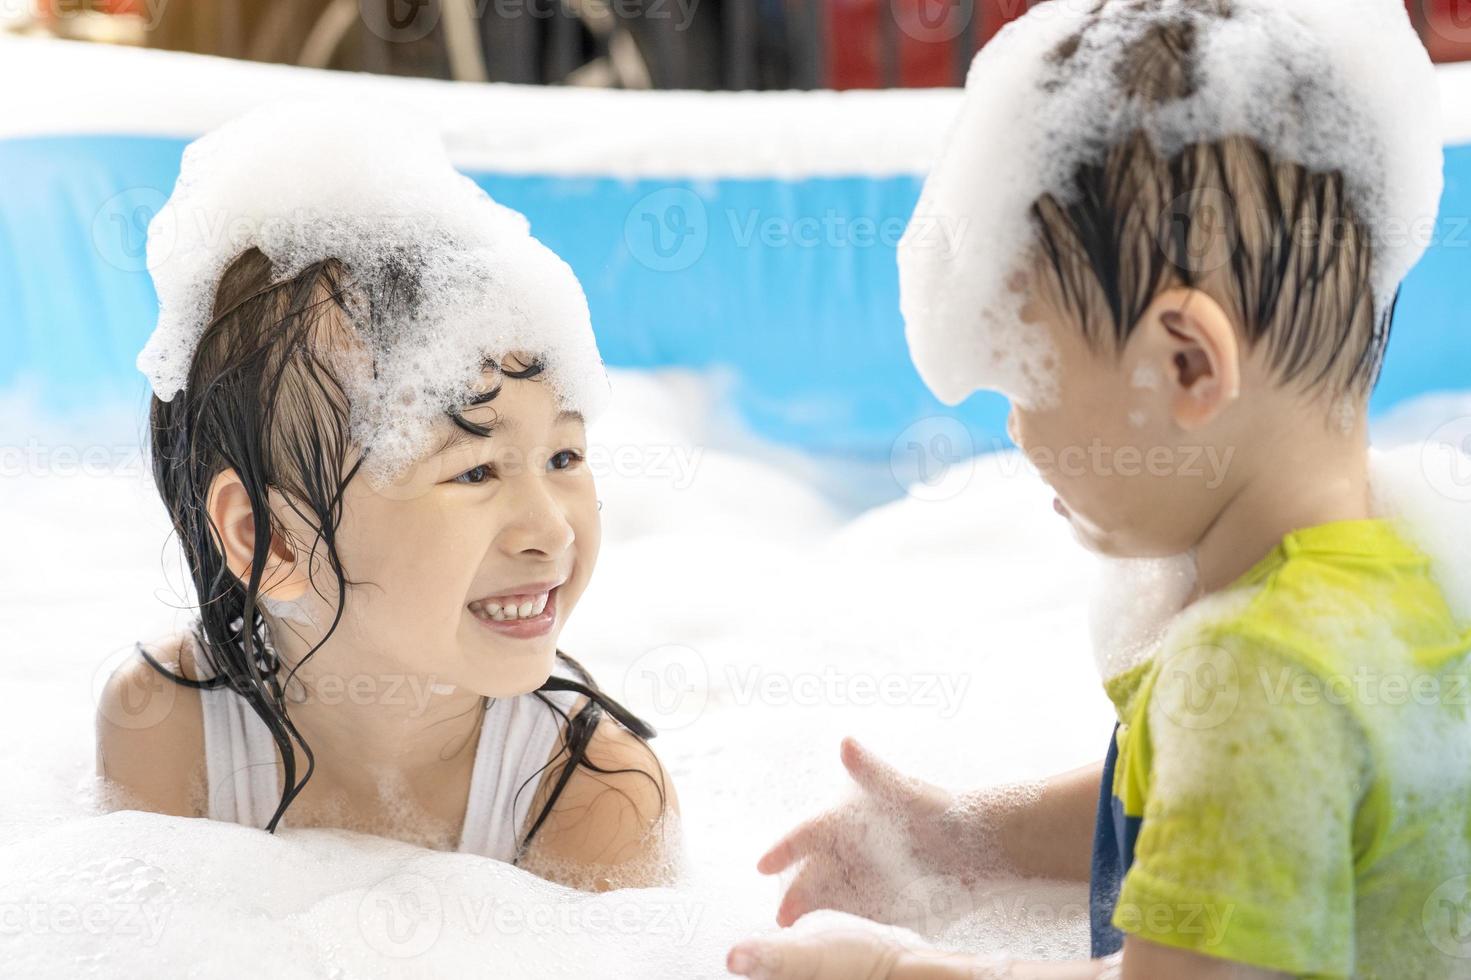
(781, 855)
(799, 899)
(797, 844)
(783, 958)
(876, 776)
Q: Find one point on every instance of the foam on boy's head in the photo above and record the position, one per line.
(441, 278)
(1331, 85)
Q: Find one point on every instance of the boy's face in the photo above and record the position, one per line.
(439, 559)
(1135, 473)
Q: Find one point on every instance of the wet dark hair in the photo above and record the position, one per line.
(1278, 245)
(262, 398)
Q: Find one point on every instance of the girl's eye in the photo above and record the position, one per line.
(565, 459)
(477, 475)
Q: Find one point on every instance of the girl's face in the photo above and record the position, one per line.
(466, 569)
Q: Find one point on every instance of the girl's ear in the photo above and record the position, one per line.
(233, 520)
(1186, 338)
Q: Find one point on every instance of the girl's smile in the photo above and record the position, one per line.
(520, 613)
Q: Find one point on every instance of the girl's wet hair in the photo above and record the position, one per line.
(263, 398)
(1278, 245)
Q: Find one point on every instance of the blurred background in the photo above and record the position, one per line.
(663, 44)
(728, 179)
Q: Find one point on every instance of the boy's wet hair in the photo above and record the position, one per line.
(1277, 245)
(264, 397)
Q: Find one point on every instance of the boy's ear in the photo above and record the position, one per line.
(230, 512)
(1186, 338)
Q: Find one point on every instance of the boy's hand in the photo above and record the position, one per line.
(844, 867)
(826, 946)
(837, 946)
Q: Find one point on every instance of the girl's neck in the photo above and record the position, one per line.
(379, 733)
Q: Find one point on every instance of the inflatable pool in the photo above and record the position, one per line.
(757, 599)
(748, 234)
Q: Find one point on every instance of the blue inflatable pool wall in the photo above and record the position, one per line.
(712, 273)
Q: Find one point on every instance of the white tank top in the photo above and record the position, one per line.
(517, 739)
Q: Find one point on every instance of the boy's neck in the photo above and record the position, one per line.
(1303, 478)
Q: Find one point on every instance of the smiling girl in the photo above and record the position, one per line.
(370, 440)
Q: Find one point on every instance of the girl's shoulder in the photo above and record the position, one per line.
(614, 824)
(150, 731)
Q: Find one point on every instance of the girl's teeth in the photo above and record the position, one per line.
(501, 612)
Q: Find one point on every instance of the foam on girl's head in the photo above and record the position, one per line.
(441, 278)
(1329, 84)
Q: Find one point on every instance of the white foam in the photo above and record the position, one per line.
(374, 189)
(1426, 488)
(1330, 84)
(1134, 601)
(998, 576)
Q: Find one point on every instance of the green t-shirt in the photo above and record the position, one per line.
(1299, 750)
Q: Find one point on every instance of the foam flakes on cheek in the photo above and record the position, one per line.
(441, 278)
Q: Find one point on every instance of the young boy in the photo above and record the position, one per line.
(1174, 266)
